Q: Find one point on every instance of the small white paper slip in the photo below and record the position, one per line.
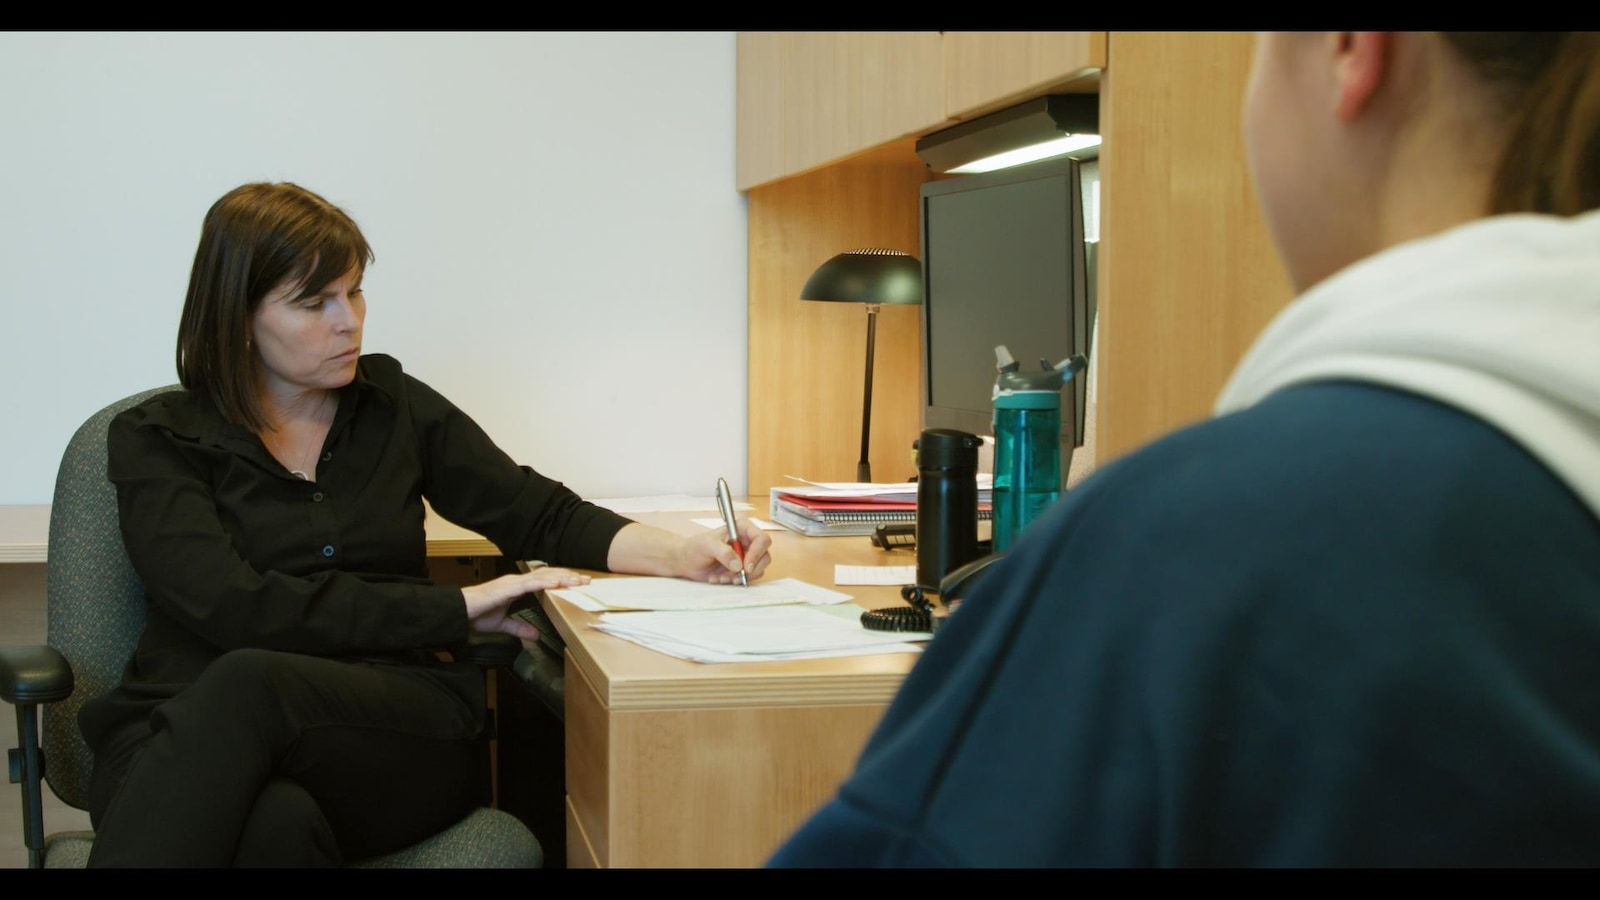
(843, 574)
(659, 593)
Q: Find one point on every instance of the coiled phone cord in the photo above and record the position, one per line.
(918, 616)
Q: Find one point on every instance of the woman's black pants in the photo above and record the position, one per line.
(282, 759)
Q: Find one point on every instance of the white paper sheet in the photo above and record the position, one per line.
(656, 593)
(773, 632)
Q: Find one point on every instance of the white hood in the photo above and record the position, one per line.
(1499, 317)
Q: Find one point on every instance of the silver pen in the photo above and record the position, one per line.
(725, 504)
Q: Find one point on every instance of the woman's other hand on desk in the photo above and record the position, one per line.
(489, 603)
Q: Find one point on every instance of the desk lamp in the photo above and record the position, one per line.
(873, 276)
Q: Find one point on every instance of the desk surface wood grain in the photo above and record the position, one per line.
(25, 535)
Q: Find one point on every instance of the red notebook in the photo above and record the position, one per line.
(858, 504)
(853, 509)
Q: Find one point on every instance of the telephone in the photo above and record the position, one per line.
(920, 614)
(891, 535)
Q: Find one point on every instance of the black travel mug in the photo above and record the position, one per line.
(947, 503)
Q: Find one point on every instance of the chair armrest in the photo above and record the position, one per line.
(491, 650)
(544, 672)
(38, 674)
(31, 676)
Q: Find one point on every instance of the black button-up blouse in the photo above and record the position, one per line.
(234, 551)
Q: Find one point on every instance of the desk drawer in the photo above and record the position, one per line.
(588, 754)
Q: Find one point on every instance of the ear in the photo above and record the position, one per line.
(1361, 60)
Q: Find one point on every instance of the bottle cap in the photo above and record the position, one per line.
(947, 448)
(1049, 379)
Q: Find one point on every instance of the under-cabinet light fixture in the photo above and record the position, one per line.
(1053, 125)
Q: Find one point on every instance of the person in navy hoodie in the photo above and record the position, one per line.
(1352, 619)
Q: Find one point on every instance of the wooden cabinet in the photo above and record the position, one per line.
(807, 359)
(813, 98)
(827, 127)
(986, 71)
(808, 99)
(846, 92)
(759, 108)
(1187, 275)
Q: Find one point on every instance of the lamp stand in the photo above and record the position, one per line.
(863, 467)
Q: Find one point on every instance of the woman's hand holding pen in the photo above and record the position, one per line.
(640, 549)
(489, 603)
(711, 558)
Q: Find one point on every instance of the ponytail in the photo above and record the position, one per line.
(1550, 83)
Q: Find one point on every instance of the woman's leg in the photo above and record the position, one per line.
(390, 754)
(286, 827)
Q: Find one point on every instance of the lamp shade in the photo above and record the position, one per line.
(871, 275)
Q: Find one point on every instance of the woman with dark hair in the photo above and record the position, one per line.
(288, 703)
(1354, 618)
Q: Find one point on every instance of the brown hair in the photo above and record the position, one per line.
(253, 239)
(1549, 85)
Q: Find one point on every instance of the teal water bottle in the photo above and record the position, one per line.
(1027, 442)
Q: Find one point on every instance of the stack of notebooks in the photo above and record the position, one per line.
(817, 509)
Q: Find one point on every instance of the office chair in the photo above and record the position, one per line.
(95, 613)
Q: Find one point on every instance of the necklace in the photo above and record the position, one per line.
(319, 423)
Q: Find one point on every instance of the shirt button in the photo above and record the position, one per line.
(327, 551)
(317, 497)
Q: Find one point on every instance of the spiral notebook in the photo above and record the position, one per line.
(814, 515)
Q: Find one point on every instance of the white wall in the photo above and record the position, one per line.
(560, 246)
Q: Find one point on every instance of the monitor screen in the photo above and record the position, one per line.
(1004, 261)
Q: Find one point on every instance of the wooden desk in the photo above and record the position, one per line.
(24, 532)
(25, 535)
(672, 763)
(446, 538)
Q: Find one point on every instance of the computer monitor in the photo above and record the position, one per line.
(1004, 261)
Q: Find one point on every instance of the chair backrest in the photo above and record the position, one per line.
(94, 601)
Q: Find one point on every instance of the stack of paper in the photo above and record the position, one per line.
(753, 634)
(644, 592)
(782, 619)
(883, 492)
